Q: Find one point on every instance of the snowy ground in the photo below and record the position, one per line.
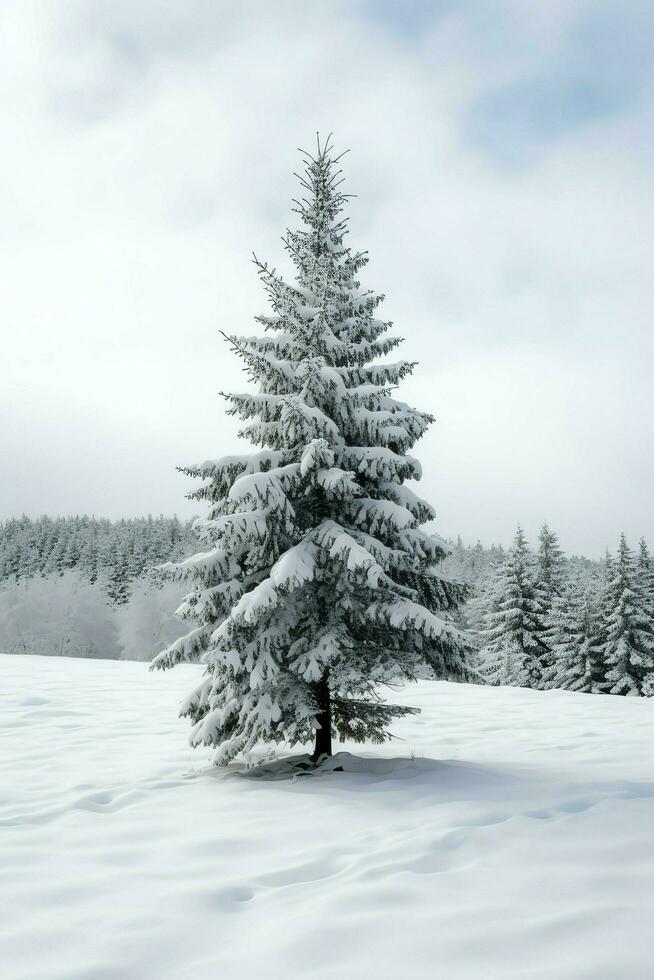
(519, 843)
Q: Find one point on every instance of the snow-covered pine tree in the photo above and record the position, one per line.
(550, 565)
(512, 650)
(318, 583)
(574, 639)
(482, 599)
(117, 582)
(645, 572)
(646, 589)
(629, 628)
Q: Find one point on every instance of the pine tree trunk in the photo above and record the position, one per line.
(323, 744)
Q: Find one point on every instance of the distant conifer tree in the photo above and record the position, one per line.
(512, 648)
(574, 638)
(628, 649)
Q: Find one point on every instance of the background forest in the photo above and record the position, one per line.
(89, 587)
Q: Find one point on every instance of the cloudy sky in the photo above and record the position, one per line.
(502, 154)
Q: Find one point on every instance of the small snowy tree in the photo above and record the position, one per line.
(645, 573)
(646, 589)
(116, 581)
(146, 621)
(629, 626)
(318, 583)
(574, 639)
(550, 567)
(482, 599)
(550, 564)
(512, 649)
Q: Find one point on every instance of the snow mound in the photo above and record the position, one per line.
(506, 833)
(295, 766)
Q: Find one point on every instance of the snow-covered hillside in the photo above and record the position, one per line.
(507, 834)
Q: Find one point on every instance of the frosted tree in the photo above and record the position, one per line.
(146, 622)
(574, 637)
(483, 598)
(317, 583)
(466, 563)
(550, 566)
(117, 584)
(512, 650)
(629, 627)
(645, 573)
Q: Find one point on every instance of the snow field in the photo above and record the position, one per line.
(517, 843)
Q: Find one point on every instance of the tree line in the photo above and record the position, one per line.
(112, 553)
(538, 618)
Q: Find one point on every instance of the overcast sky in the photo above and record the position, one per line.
(502, 154)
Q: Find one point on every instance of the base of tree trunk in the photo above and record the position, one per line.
(320, 753)
(323, 746)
